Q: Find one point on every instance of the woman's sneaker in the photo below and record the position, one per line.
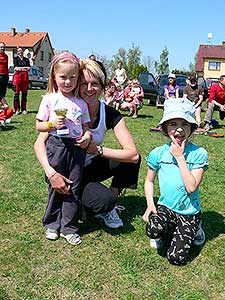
(199, 236)
(72, 238)
(51, 234)
(111, 219)
(156, 243)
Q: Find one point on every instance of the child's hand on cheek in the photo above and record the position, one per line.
(175, 149)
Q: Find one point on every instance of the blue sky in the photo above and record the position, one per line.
(102, 27)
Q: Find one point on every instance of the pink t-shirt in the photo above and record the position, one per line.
(77, 112)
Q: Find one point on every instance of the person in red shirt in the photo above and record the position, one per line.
(216, 99)
(4, 75)
(20, 81)
(5, 111)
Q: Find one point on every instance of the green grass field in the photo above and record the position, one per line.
(109, 264)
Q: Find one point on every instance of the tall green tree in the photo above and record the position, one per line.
(131, 60)
(162, 66)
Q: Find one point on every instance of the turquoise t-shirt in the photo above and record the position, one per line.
(173, 193)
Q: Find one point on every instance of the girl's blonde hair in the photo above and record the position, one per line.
(96, 68)
(64, 57)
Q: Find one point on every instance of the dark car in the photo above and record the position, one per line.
(162, 80)
(210, 82)
(181, 81)
(150, 86)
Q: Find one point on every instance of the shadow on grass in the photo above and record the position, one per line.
(134, 206)
(139, 115)
(7, 128)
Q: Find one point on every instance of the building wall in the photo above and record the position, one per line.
(43, 60)
(213, 73)
(42, 64)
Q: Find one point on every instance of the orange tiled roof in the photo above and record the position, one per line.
(209, 51)
(24, 39)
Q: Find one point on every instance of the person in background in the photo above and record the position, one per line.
(180, 166)
(109, 94)
(92, 56)
(20, 81)
(136, 95)
(171, 90)
(5, 112)
(194, 93)
(120, 74)
(118, 97)
(101, 162)
(127, 90)
(216, 100)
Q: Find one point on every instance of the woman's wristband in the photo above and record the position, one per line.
(53, 174)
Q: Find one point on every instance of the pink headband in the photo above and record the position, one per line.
(64, 56)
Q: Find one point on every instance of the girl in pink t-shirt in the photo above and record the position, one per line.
(65, 117)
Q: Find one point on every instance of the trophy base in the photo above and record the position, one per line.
(63, 131)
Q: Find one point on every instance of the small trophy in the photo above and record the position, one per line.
(62, 112)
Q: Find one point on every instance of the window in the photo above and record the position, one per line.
(49, 57)
(214, 65)
(42, 55)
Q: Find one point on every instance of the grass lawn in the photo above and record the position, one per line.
(109, 264)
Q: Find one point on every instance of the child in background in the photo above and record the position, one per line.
(136, 94)
(118, 96)
(179, 165)
(65, 117)
(109, 94)
(5, 112)
(171, 89)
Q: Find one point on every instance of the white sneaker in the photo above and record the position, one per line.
(156, 243)
(8, 121)
(2, 122)
(199, 236)
(111, 219)
(72, 238)
(51, 234)
(17, 112)
(24, 112)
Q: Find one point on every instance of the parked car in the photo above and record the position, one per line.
(36, 78)
(182, 81)
(162, 80)
(150, 86)
(210, 82)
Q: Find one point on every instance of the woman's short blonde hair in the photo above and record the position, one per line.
(64, 57)
(95, 68)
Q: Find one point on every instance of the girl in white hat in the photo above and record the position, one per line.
(179, 165)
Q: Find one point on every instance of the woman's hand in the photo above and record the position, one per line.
(60, 183)
(149, 210)
(92, 147)
(84, 141)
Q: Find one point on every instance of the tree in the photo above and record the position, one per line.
(162, 67)
(131, 60)
(149, 63)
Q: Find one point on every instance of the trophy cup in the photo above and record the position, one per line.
(62, 112)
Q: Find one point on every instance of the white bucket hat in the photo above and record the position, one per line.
(171, 75)
(179, 108)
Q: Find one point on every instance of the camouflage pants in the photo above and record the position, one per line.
(180, 228)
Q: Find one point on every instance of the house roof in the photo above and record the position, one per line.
(209, 51)
(24, 39)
